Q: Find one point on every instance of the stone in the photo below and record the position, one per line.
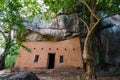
(34, 37)
(62, 27)
(111, 33)
(21, 76)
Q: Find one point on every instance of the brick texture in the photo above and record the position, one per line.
(69, 49)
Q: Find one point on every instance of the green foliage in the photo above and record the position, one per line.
(108, 6)
(14, 49)
(12, 15)
(68, 6)
(11, 55)
(2, 43)
(10, 60)
(26, 48)
(14, 11)
(30, 8)
(62, 6)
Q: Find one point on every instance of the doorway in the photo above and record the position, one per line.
(51, 60)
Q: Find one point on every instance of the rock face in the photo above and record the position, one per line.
(61, 28)
(112, 38)
(22, 76)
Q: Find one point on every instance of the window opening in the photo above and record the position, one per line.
(61, 59)
(36, 58)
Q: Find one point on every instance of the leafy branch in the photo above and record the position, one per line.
(3, 34)
(91, 11)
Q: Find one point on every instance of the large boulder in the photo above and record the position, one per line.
(108, 35)
(61, 28)
(21, 76)
(111, 36)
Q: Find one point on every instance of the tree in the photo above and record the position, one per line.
(12, 15)
(90, 18)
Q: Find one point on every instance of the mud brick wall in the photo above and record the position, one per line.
(70, 51)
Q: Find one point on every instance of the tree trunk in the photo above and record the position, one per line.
(2, 62)
(2, 59)
(7, 47)
(87, 53)
(88, 57)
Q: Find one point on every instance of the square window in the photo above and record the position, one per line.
(61, 59)
(36, 58)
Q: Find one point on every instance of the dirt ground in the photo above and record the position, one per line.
(71, 76)
(59, 76)
(51, 75)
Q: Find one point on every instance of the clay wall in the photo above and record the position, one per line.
(69, 49)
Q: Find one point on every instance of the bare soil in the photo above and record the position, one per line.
(51, 75)
(59, 76)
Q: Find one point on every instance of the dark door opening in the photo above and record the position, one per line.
(51, 61)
